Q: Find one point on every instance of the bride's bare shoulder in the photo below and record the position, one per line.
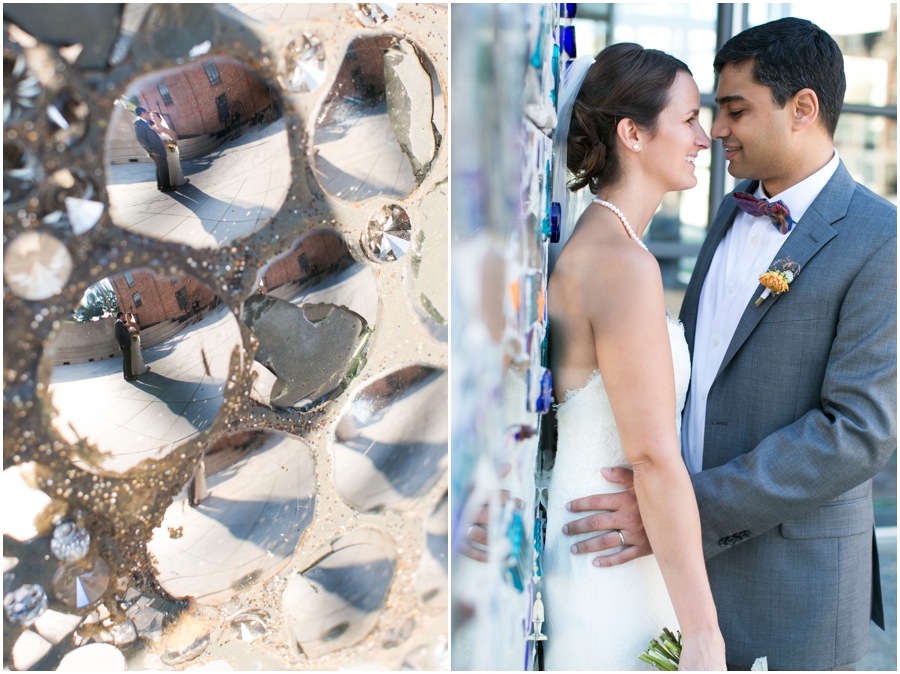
(605, 271)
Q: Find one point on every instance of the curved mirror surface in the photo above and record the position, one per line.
(380, 126)
(141, 402)
(197, 154)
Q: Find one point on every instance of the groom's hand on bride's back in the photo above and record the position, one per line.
(619, 513)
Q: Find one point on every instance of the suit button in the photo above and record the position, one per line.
(745, 534)
(723, 542)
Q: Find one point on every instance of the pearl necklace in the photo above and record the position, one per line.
(628, 229)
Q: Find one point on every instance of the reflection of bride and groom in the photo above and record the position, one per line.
(161, 143)
(128, 336)
(758, 541)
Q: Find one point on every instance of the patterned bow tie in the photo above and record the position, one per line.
(777, 211)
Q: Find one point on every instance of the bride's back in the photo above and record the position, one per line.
(594, 273)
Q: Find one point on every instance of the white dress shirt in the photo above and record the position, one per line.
(746, 251)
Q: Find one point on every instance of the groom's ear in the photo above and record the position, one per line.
(805, 107)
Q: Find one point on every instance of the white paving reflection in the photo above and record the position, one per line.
(246, 528)
(146, 419)
(233, 191)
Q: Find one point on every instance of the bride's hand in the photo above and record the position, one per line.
(621, 514)
(703, 652)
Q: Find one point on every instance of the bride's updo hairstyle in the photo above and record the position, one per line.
(625, 80)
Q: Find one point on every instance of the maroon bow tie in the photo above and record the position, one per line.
(776, 210)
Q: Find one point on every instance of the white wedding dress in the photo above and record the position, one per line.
(599, 618)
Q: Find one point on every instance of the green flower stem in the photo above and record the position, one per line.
(663, 653)
(661, 664)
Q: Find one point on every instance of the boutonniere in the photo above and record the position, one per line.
(778, 278)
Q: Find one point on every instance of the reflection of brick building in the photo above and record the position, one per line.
(153, 299)
(207, 97)
(361, 76)
(317, 253)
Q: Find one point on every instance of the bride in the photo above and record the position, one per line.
(137, 358)
(629, 133)
(173, 157)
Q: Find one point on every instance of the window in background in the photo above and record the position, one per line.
(164, 92)
(212, 72)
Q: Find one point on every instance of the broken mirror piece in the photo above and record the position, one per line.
(55, 626)
(390, 442)
(426, 275)
(410, 104)
(93, 658)
(319, 269)
(387, 235)
(261, 497)
(19, 487)
(197, 154)
(432, 573)
(80, 584)
(336, 602)
(29, 649)
(375, 131)
(311, 342)
(167, 388)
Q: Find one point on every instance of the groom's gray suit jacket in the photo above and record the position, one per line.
(800, 417)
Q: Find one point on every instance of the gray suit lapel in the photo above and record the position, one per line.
(810, 234)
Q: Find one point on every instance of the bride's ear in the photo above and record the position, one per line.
(629, 134)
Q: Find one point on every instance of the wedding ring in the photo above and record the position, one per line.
(621, 536)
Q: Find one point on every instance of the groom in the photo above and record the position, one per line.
(155, 147)
(793, 401)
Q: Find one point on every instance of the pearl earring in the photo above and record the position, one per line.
(635, 146)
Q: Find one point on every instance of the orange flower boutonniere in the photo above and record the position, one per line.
(778, 278)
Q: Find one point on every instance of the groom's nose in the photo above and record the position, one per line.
(719, 129)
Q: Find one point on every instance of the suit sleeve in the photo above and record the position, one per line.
(830, 450)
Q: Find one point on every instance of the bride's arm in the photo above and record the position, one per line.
(634, 355)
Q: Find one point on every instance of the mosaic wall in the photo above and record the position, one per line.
(505, 70)
(268, 490)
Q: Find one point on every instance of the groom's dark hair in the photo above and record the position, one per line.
(139, 111)
(789, 55)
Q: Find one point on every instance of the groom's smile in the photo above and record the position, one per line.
(755, 132)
